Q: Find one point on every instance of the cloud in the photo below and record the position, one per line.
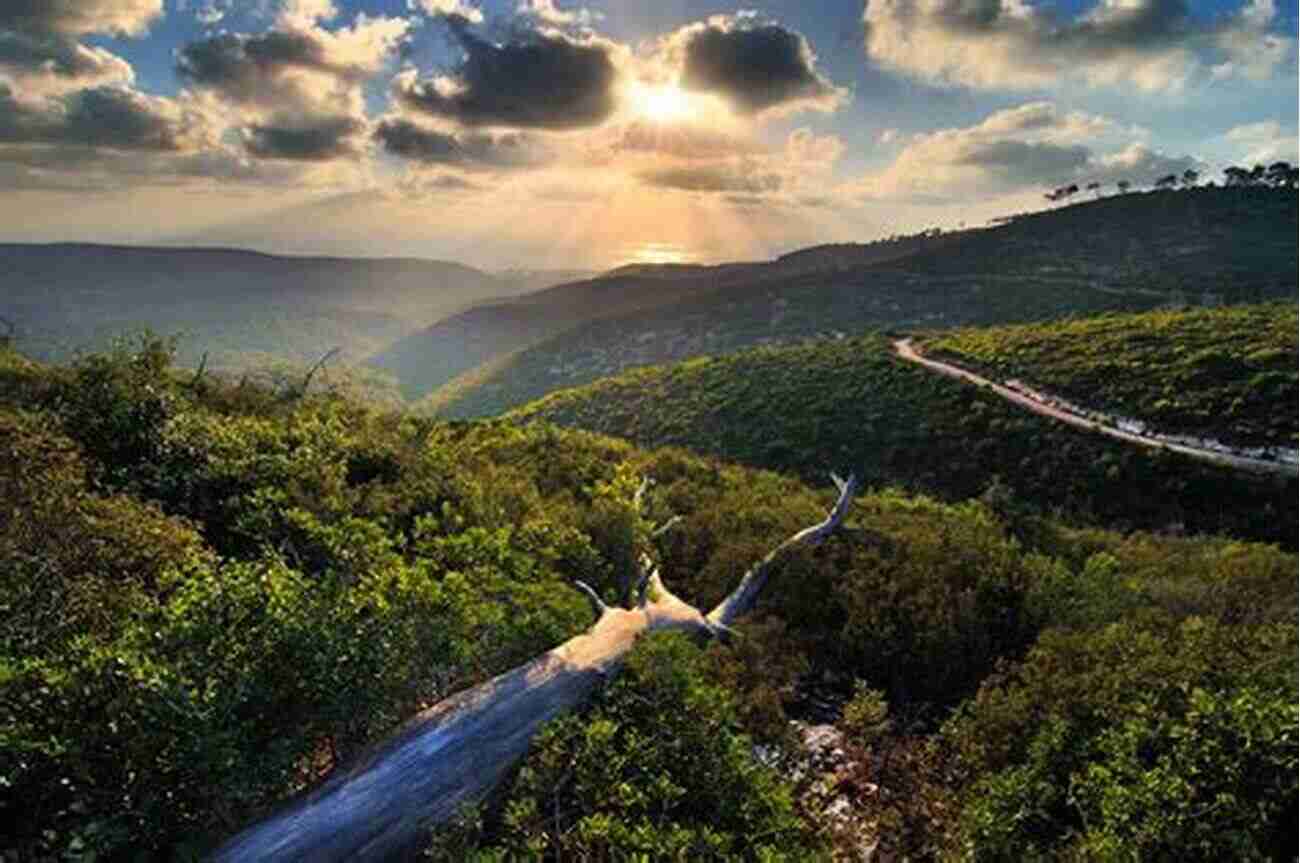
(270, 67)
(1140, 165)
(53, 57)
(209, 14)
(681, 141)
(109, 117)
(547, 12)
(539, 80)
(1263, 143)
(1030, 146)
(447, 9)
(41, 47)
(1150, 44)
(755, 66)
(401, 137)
(79, 17)
(242, 67)
(295, 91)
(725, 177)
(804, 148)
(316, 139)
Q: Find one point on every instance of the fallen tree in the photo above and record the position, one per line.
(457, 751)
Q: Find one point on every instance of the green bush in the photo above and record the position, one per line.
(655, 769)
(1135, 741)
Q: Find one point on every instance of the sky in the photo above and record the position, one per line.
(545, 134)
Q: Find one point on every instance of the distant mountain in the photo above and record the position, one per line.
(66, 297)
(1125, 253)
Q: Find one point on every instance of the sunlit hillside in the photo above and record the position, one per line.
(1124, 253)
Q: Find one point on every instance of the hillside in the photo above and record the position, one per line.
(1127, 253)
(1227, 373)
(216, 597)
(233, 304)
(895, 423)
(485, 335)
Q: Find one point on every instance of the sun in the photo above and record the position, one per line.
(661, 103)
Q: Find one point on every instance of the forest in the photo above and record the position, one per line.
(216, 594)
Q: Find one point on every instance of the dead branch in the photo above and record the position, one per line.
(300, 391)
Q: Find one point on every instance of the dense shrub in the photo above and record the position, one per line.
(898, 424)
(1169, 741)
(656, 768)
(1227, 373)
(196, 625)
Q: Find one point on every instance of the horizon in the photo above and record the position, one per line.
(539, 135)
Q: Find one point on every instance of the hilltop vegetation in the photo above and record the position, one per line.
(215, 595)
(1227, 373)
(787, 408)
(1125, 253)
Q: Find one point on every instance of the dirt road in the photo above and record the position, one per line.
(904, 349)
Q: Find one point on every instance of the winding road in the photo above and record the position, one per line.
(904, 349)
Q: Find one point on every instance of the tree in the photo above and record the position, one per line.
(1190, 177)
(457, 751)
(1281, 175)
(1235, 176)
(1168, 181)
(1095, 188)
(1257, 174)
(1123, 186)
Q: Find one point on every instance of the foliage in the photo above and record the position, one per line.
(656, 768)
(1135, 741)
(1226, 373)
(897, 423)
(213, 597)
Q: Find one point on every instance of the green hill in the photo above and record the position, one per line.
(1225, 373)
(787, 408)
(214, 596)
(1125, 253)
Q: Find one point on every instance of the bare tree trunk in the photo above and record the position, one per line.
(457, 751)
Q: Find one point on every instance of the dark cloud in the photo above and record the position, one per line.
(317, 139)
(78, 16)
(109, 117)
(39, 37)
(1028, 161)
(713, 178)
(240, 66)
(754, 67)
(406, 139)
(538, 80)
(58, 54)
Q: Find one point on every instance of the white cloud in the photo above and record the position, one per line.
(547, 12)
(1034, 145)
(1263, 143)
(442, 8)
(1152, 44)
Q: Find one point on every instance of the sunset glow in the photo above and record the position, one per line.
(446, 128)
(664, 103)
